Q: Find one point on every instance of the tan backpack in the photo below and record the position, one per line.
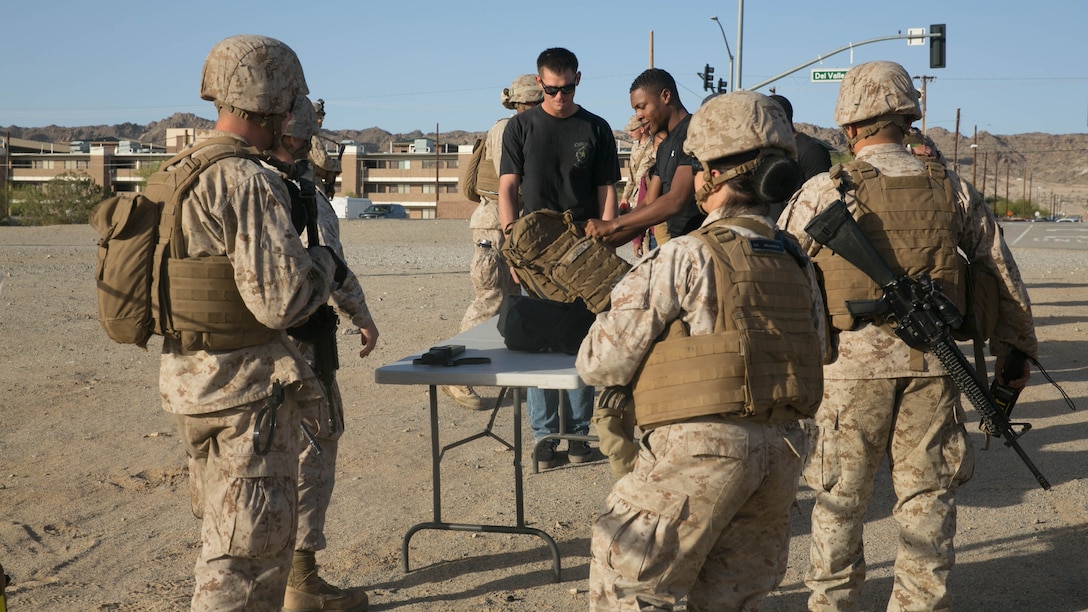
(128, 225)
(555, 260)
(478, 178)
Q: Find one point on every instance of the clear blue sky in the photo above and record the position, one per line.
(1013, 67)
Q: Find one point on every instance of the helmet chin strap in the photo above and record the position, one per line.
(272, 123)
(711, 182)
(880, 123)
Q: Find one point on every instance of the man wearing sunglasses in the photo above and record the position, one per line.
(561, 157)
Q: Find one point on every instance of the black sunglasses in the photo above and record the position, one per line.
(566, 89)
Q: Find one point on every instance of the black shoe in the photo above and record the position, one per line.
(545, 454)
(579, 451)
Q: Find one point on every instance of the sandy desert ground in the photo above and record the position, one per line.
(93, 484)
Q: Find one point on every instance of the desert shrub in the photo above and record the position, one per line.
(66, 199)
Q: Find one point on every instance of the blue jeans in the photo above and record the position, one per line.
(544, 411)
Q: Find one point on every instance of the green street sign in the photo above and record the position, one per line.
(833, 75)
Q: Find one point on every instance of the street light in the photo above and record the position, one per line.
(731, 85)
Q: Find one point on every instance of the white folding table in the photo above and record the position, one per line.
(511, 370)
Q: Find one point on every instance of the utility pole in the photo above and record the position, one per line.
(1008, 170)
(651, 48)
(974, 160)
(740, 45)
(5, 212)
(985, 156)
(956, 145)
(436, 170)
(925, 79)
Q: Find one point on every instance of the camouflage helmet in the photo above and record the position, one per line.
(876, 89)
(523, 90)
(303, 121)
(738, 122)
(251, 73)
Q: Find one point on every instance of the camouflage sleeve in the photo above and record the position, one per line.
(320, 157)
(984, 244)
(349, 298)
(644, 302)
(279, 281)
(494, 142)
(317, 151)
(815, 195)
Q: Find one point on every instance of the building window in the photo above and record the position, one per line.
(428, 187)
(391, 188)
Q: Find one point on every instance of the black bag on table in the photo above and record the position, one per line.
(537, 325)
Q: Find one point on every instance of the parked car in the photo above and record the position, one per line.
(384, 211)
(1070, 220)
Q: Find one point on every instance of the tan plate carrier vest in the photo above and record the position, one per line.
(764, 360)
(554, 259)
(913, 224)
(195, 299)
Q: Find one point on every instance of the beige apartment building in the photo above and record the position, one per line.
(419, 174)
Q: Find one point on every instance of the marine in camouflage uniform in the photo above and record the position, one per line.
(326, 168)
(237, 208)
(880, 397)
(491, 279)
(705, 512)
(306, 590)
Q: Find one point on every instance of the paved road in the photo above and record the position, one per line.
(1046, 235)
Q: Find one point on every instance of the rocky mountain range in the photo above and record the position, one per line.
(1057, 159)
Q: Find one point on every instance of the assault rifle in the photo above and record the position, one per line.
(919, 313)
(326, 356)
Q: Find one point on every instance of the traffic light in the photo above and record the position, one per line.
(937, 38)
(708, 78)
(721, 86)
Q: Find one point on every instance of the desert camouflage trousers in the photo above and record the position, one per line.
(317, 474)
(248, 504)
(704, 514)
(918, 424)
(491, 280)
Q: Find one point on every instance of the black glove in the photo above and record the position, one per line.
(340, 274)
(320, 324)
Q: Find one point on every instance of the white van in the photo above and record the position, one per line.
(350, 208)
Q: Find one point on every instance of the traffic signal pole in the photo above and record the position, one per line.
(939, 35)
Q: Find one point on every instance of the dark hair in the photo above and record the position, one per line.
(786, 106)
(773, 181)
(654, 81)
(556, 59)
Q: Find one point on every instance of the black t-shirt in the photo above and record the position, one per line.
(670, 156)
(561, 162)
(812, 156)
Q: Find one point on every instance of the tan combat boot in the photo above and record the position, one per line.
(466, 396)
(307, 592)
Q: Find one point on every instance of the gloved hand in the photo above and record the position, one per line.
(614, 418)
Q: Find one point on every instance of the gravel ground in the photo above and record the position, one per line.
(93, 483)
